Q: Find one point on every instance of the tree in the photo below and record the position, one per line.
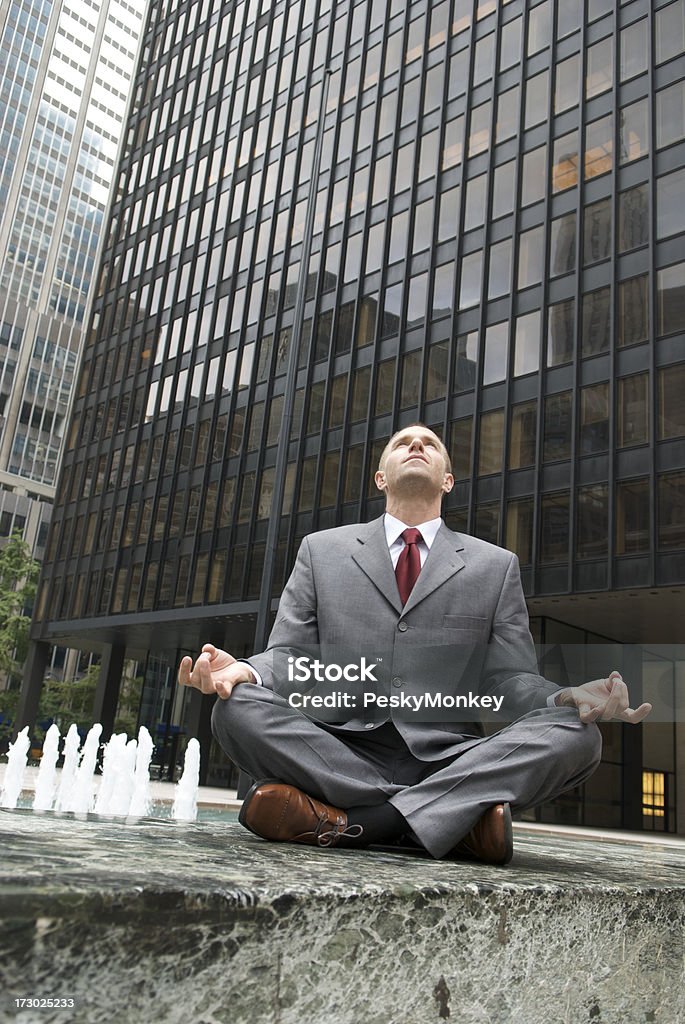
(19, 573)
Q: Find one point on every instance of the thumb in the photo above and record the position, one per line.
(209, 649)
(588, 713)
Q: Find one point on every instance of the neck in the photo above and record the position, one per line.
(412, 512)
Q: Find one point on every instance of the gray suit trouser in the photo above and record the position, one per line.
(532, 760)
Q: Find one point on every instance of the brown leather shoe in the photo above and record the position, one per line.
(282, 813)
(491, 839)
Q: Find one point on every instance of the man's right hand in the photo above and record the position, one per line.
(215, 671)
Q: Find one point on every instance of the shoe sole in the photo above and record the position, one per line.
(246, 800)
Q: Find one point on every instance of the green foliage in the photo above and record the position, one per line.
(19, 573)
(67, 702)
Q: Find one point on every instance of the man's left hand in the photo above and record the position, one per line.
(603, 700)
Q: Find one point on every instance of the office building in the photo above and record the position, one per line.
(496, 249)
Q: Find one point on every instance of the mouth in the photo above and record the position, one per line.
(410, 458)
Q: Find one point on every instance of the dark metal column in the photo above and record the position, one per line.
(107, 691)
(32, 684)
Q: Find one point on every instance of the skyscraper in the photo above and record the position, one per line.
(65, 79)
(497, 249)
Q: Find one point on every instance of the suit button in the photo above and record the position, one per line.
(403, 627)
(397, 681)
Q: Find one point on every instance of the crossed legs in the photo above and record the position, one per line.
(526, 763)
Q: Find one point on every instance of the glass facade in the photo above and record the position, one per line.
(496, 250)
(64, 84)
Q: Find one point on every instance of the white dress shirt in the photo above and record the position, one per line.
(394, 529)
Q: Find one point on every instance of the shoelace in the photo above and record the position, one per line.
(332, 835)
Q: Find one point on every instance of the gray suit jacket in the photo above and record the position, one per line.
(463, 632)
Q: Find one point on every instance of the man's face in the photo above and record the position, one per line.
(414, 462)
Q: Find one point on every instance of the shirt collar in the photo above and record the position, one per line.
(394, 528)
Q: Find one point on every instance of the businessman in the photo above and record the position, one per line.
(360, 720)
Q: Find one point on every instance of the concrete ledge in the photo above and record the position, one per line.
(156, 921)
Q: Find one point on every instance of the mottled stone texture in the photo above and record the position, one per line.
(205, 924)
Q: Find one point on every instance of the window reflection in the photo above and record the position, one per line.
(594, 419)
(632, 517)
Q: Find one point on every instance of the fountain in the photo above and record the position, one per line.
(124, 789)
(16, 765)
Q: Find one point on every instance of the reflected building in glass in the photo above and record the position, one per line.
(66, 74)
(497, 250)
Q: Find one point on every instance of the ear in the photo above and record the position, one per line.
(447, 483)
(379, 479)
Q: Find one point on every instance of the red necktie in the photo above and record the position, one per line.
(408, 564)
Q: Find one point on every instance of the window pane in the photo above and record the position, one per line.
(539, 27)
(499, 277)
(411, 375)
(460, 448)
(633, 411)
(537, 99)
(565, 162)
(491, 440)
(510, 44)
(672, 402)
(479, 135)
(557, 427)
(507, 114)
(670, 31)
(633, 131)
(671, 511)
(448, 216)
(527, 344)
(523, 435)
(471, 272)
(466, 362)
(533, 176)
(632, 517)
(633, 311)
(594, 419)
(496, 353)
(530, 257)
(634, 50)
(561, 329)
(670, 115)
(596, 321)
(566, 84)
(597, 232)
(633, 218)
(670, 295)
(519, 536)
(562, 245)
(487, 522)
(554, 523)
(436, 372)
(569, 17)
(503, 189)
(443, 287)
(592, 521)
(416, 300)
(599, 147)
(670, 208)
(600, 68)
(474, 214)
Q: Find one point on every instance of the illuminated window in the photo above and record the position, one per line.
(653, 795)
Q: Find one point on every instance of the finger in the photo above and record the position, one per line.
(588, 713)
(618, 698)
(209, 649)
(184, 671)
(224, 688)
(635, 715)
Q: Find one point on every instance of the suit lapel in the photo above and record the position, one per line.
(443, 562)
(373, 557)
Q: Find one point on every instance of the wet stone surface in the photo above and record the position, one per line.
(157, 921)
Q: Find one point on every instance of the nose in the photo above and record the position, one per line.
(416, 444)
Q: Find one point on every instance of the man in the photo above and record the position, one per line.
(434, 613)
